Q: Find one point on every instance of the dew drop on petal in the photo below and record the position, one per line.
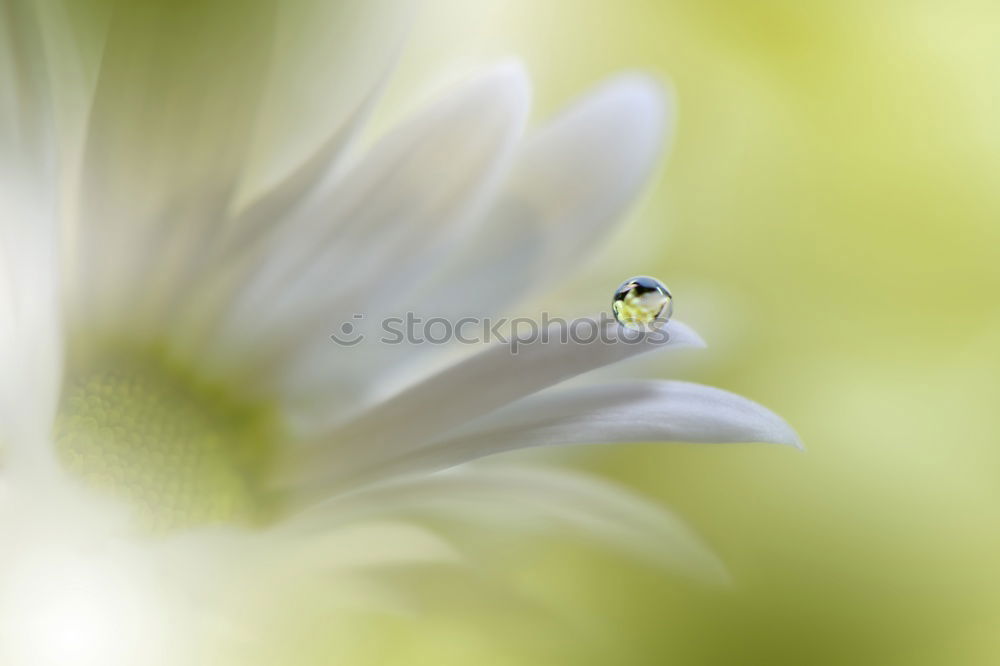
(642, 303)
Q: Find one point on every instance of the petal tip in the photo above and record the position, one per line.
(784, 434)
(510, 79)
(640, 95)
(685, 336)
(796, 442)
(641, 88)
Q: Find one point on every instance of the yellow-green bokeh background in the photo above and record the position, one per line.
(829, 219)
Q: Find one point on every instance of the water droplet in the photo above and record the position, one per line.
(642, 303)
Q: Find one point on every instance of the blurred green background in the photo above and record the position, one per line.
(829, 220)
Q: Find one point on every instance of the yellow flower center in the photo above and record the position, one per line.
(184, 451)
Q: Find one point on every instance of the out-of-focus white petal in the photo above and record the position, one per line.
(195, 115)
(513, 497)
(30, 350)
(74, 34)
(326, 61)
(25, 97)
(168, 136)
(478, 385)
(29, 334)
(389, 220)
(304, 129)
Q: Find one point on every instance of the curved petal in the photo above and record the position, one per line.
(641, 411)
(485, 382)
(386, 222)
(652, 411)
(508, 496)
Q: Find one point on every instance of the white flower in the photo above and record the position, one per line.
(182, 441)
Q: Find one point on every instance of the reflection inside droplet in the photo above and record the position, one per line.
(642, 303)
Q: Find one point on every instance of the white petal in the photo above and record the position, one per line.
(216, 271)
(25, 99)
(304, 128)
(641, 411)
(653, 411)
(74, 37)
(167, 141)
(388, 220)
(30, 341)
(487, 381)
(572, 180)
(29, 333)
(228, 106)
(514, 498)
(327, 59)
